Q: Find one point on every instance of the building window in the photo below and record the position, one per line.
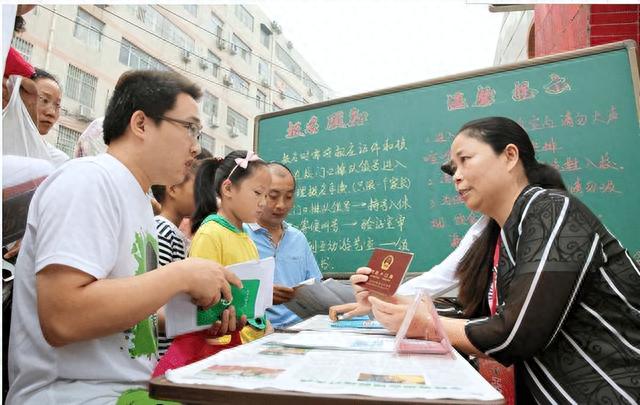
(24, 48)
(313, 87)
(284, 57)
(88, 29)
(191, 8)
(214, 63)
(238, 46)
(209, 104)
(286, 91)
(263, 70)
(261, 100)
(67, 139)
(81, 86)
(136, 58)
(244, 16)
(216, 26)
(265, 36)
(238, 83)
(208, 142)
(237, 121)
(160, 25)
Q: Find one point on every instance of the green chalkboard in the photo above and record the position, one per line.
(367, 166)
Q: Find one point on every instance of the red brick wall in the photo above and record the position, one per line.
(561, 28)
(614, 22)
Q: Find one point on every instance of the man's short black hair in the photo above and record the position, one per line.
(151, 91)
(279, 164)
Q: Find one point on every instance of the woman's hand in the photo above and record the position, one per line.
(391, 314)
(361, 306)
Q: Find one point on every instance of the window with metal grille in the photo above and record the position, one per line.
(265, 36)
(88, 29)
(313, 86)
(160, 25)
(209, 104)
(263, 70)
(238, 83)
(23, 47)
(261, 100)
(284, 57)
(216, 26)
(191, 8)
(214, 63)
(287, 90)
(208, 142)
(81, 86)
(241, 48)
(244, 16)
(237, 120)
(136, 58)
(67, 139)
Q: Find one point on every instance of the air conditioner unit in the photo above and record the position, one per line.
(289, 44)
(282, 96)
(233, 132)
(226, 79)
(222, 44)
(276, 27)
(309, 92)
(233, 49)
(265, 82)
(85, 113)
(203, 64)
(212, 121)
(186, 56)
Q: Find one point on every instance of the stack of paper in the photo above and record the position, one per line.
(266, 364)
(313, 297)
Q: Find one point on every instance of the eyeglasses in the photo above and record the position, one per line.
(195, 130)
(46, 102)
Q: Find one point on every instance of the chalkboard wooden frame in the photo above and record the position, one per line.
(629, 45)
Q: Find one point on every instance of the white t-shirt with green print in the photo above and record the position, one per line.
(91, 215)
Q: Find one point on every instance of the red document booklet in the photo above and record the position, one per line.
(389, 268)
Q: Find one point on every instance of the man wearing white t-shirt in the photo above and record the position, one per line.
(83, 324)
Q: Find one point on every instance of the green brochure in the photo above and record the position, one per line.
(244, 301)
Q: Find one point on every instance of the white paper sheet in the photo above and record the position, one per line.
(181, 313)
(322, 323)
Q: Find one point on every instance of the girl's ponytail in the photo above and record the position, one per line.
(205, 192)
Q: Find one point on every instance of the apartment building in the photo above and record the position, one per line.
(235, 52)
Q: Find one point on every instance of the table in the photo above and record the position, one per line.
(272, 370)
(161, 388)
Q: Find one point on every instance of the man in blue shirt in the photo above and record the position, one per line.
(274, 237)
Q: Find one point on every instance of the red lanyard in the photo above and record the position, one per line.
(493, 304)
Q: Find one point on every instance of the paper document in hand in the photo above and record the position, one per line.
(182, 316)
(341, 341)
(315, 298)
